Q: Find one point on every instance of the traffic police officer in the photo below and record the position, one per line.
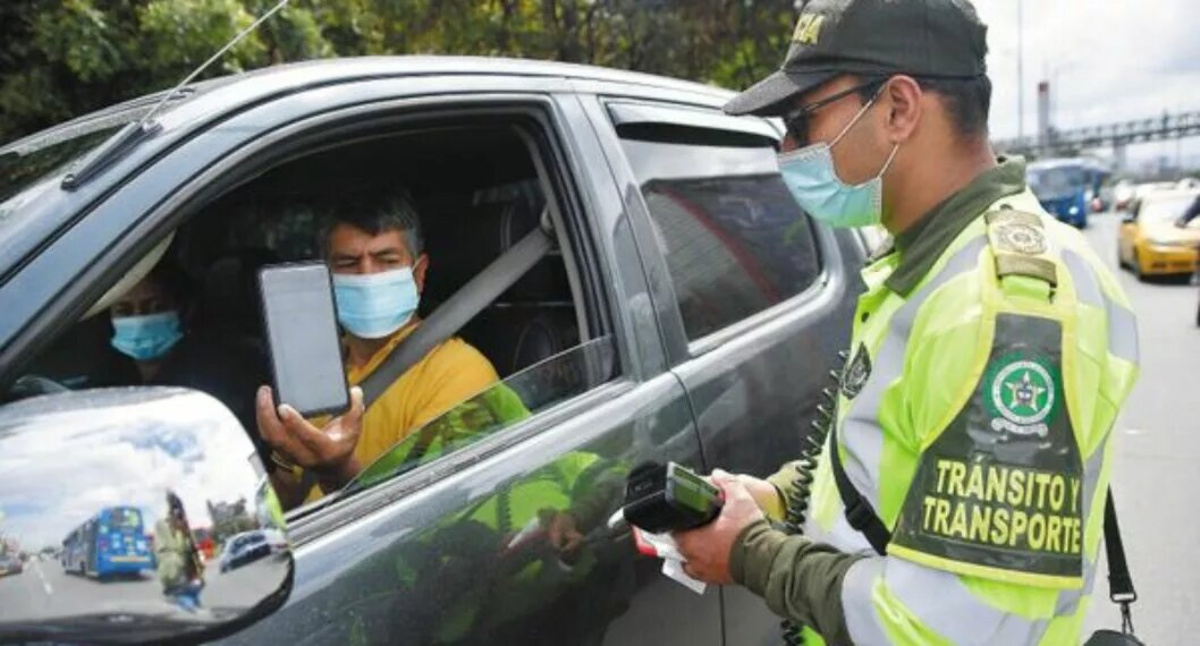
(990, 355)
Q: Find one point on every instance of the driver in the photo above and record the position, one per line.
(375, 251)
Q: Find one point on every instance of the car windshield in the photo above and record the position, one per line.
(1049, 183)
(24, 165)
(1165, 208)
(30, 165)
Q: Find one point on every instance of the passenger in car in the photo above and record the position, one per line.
(153, 326)
(375, 251)
(147, 320)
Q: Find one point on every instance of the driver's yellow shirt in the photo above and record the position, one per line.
(449, 374)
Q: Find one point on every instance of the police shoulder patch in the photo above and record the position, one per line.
(1020, 237)
(856, 373)
(1021, 394)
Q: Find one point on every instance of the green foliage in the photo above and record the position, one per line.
(61, 58)
(181, 34)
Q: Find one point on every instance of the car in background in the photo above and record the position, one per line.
(247, 547)
(10, 564)
(1149, 188)
(1067, 188)
(1124, 192)
(1152, 241)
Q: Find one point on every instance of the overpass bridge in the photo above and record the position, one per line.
(1054, 142)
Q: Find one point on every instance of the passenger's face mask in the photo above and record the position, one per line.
(373, 306)
(146, 338)
(811, 177)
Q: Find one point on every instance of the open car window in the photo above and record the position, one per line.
(501, 406)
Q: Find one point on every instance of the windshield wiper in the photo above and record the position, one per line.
(108, 152)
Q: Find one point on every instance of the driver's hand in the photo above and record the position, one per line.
(564, 535)
(328, 451)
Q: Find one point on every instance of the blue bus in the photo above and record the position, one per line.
(1067, 188)
(111, 542)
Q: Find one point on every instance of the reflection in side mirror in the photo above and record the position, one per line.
(152, 511)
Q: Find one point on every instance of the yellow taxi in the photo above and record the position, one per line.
(1155, 241)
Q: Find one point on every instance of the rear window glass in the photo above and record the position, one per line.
(735, 240)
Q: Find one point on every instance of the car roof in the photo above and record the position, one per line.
(374, 66)
(292, 76)
(249, 87)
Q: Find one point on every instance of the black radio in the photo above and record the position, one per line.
(669, 498)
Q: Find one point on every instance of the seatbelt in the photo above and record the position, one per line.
(460, 308)
(862, 517)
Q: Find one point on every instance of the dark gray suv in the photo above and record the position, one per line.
(687, 310)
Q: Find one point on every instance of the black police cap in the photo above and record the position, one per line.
(926, 38)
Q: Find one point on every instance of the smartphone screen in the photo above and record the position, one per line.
(301, 326)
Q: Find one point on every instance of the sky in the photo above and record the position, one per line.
(1106, 60)
(56, 471)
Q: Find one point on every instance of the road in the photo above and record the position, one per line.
(1155, 477)
(45, 591)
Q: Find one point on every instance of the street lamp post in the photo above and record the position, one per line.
(1020, 70)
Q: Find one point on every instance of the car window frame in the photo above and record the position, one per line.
(706, 118)
(298, 138)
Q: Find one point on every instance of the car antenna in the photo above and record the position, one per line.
(212, 59)
(134, 133)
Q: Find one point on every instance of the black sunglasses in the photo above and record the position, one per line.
(797, 120)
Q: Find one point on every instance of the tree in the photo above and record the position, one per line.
(63, 58)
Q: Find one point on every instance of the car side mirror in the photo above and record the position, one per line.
(137, 496)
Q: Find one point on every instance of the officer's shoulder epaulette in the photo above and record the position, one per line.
(1018, 242)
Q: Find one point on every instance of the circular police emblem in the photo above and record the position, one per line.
(855, 375)
(1023, 395)
(1021, 237)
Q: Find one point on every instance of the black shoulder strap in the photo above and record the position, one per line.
(1120, 581)
(859, 513)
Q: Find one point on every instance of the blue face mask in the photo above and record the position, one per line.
(810, 175)
(372, 306)
(146, 338)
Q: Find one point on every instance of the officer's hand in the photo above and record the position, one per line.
(706, 550)
(328, 451)
(765, 495)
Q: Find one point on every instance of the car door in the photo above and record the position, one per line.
(757, 299)
(452, 548)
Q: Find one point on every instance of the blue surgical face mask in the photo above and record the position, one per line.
(372, 306)
(146, 338)
(810, 175)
